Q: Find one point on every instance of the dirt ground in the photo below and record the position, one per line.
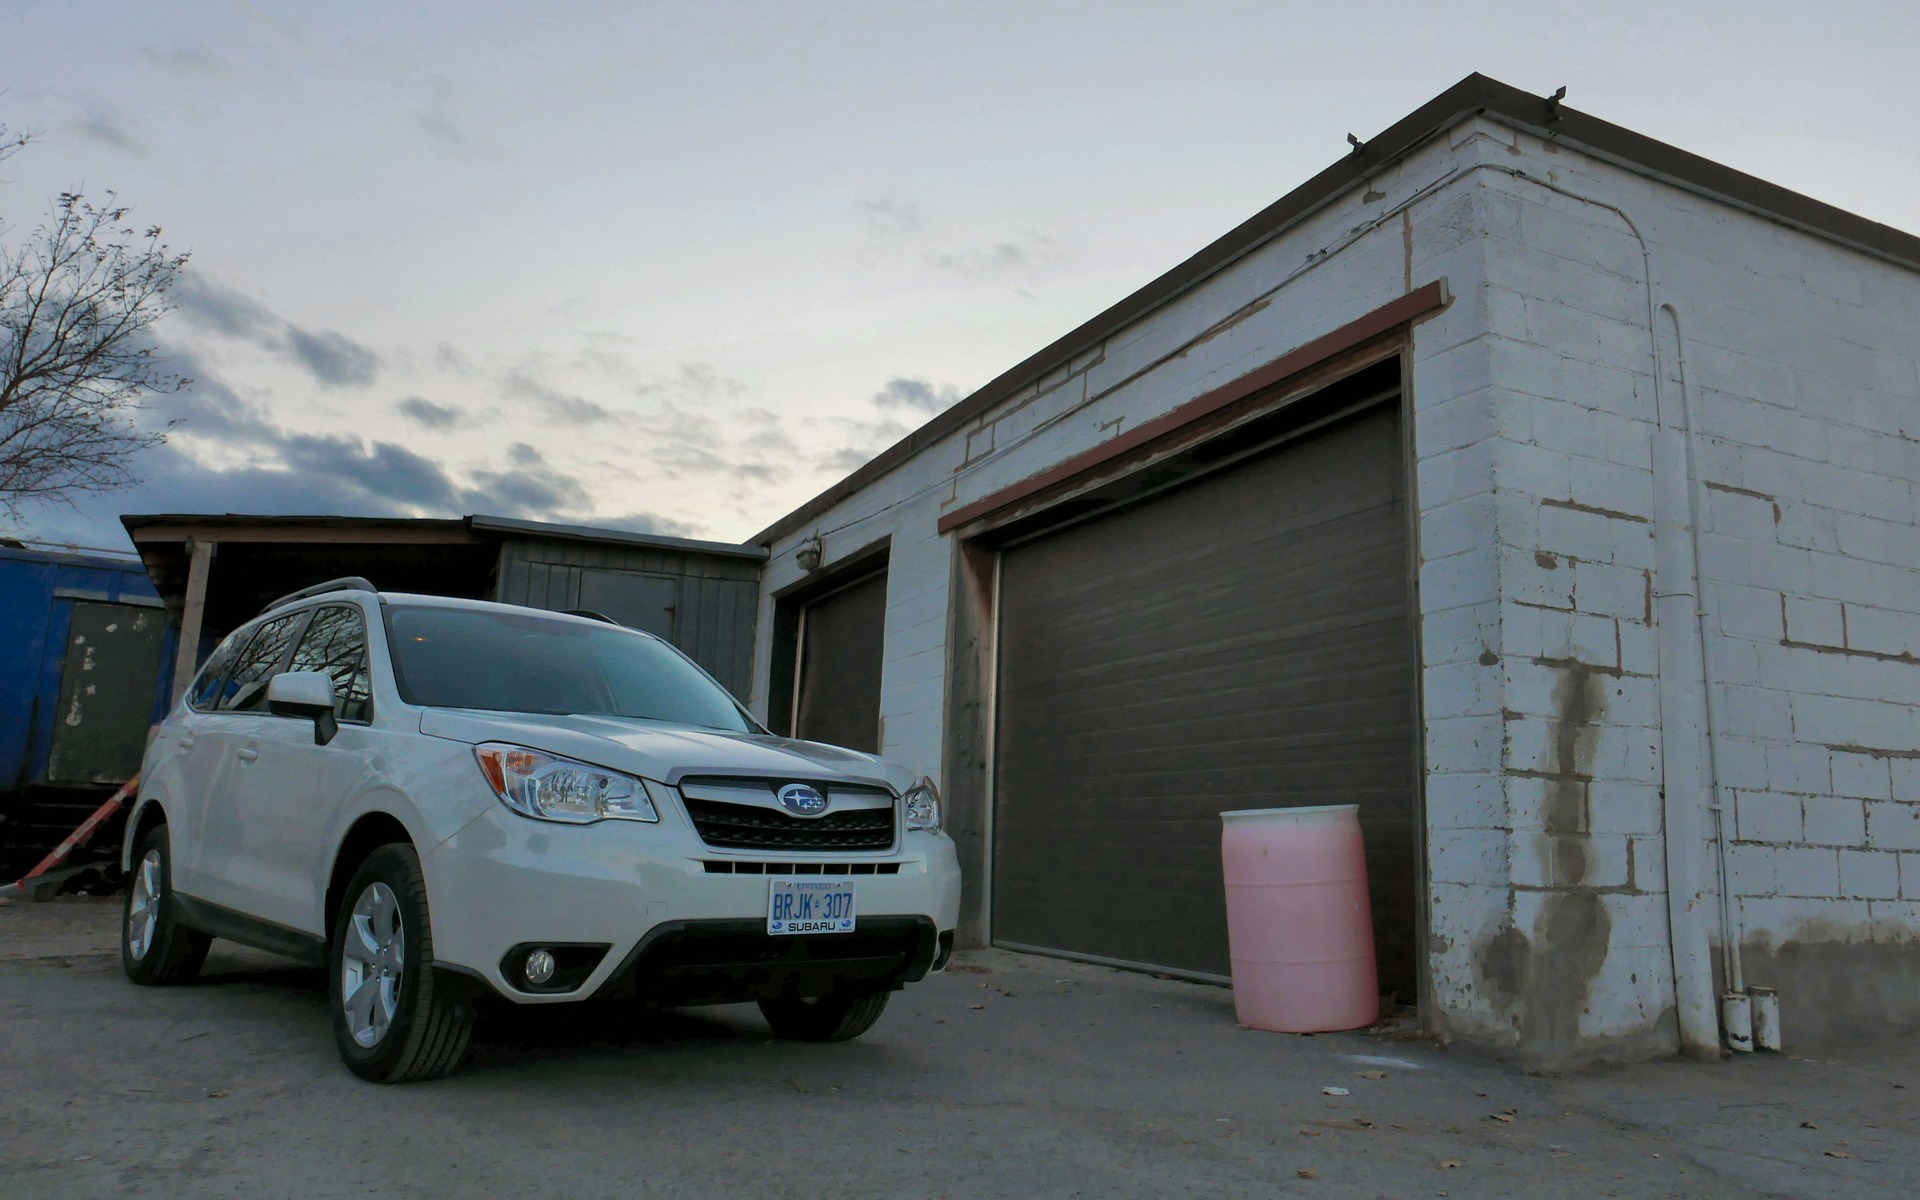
(1010, 1076)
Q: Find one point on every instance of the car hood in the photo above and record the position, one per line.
(663, 751)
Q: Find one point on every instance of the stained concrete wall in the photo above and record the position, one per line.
(1796, 359)
(1534, 415)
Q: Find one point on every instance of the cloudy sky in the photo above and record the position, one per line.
(679, 266)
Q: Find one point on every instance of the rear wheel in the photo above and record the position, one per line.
(390, 1020)
(154, 947)
(835, 1017)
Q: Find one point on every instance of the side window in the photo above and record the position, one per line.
(246, 690)
(336, 642)
(204, 695)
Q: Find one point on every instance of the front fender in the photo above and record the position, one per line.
(159, 786)
(431, 812)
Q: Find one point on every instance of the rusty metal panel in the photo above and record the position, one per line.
(1241, 642)
(107, 684)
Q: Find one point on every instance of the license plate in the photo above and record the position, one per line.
(810, 906)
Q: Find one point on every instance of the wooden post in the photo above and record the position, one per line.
(199, 563)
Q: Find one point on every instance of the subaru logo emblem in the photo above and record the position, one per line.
(802, 800)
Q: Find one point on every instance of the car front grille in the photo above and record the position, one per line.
(727, 866)
(729, 826)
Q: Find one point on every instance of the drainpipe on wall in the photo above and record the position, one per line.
(1689, 785)
(1690, 778)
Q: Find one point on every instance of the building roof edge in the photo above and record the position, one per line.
(1475, 95)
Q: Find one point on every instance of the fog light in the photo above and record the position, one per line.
(539, 967)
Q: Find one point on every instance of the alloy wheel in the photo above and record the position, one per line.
(143, 909)
(373, 957)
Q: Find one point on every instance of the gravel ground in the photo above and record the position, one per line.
(1010, 1076)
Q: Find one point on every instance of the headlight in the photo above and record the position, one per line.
(922, 804)
(550, 788)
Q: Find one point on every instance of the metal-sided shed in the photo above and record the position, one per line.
(701, 596)
(214, 572)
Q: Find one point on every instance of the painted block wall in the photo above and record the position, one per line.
(1338, 265)
(1412, 224)
(1537, 401)
(1796, 358)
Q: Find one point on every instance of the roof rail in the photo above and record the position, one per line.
(349, 583)
(590, 615)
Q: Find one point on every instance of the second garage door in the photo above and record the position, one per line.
(842, 636)
(1242, 642)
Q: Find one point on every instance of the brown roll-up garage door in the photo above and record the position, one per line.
(1241, 642)
(842, 637)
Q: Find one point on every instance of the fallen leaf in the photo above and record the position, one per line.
(1309, 1133)
(1448, 1164)
(976, 1007)
(1808, 1125)
(217, 1095)
(1364, 1123)
(1502, 1117)
(1307, 1173)
(1369, 1074)
(1335, 1091)
(968, 969)
(1841, 1154)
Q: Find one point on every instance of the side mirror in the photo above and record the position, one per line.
(305, 694)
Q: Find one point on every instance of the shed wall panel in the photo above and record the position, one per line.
(708, 621)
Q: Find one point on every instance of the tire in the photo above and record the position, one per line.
(835, 1017)
(155, 949)
(401, 1031)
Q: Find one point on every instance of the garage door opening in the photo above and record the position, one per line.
(1241, 638)
(829, 641)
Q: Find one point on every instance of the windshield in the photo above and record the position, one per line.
(532, 663)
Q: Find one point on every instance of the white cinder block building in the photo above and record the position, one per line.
(1545, 490)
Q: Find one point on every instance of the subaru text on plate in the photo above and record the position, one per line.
(447, 800)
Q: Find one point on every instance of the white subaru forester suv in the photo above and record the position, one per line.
(443, 801)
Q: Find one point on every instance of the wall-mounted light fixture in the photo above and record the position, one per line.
(809, 555)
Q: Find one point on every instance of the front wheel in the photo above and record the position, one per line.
(837, 1016)
(154, 947)
(392, 1024)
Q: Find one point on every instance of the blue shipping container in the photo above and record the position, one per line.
(86, 666)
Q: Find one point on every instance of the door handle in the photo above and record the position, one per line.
(185, 742)
(246, 755)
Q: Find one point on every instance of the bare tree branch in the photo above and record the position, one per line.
(79, 297)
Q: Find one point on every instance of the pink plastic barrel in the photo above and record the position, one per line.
(1299, 925)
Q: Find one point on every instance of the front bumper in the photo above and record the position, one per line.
(728, 961)
(676, 931)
